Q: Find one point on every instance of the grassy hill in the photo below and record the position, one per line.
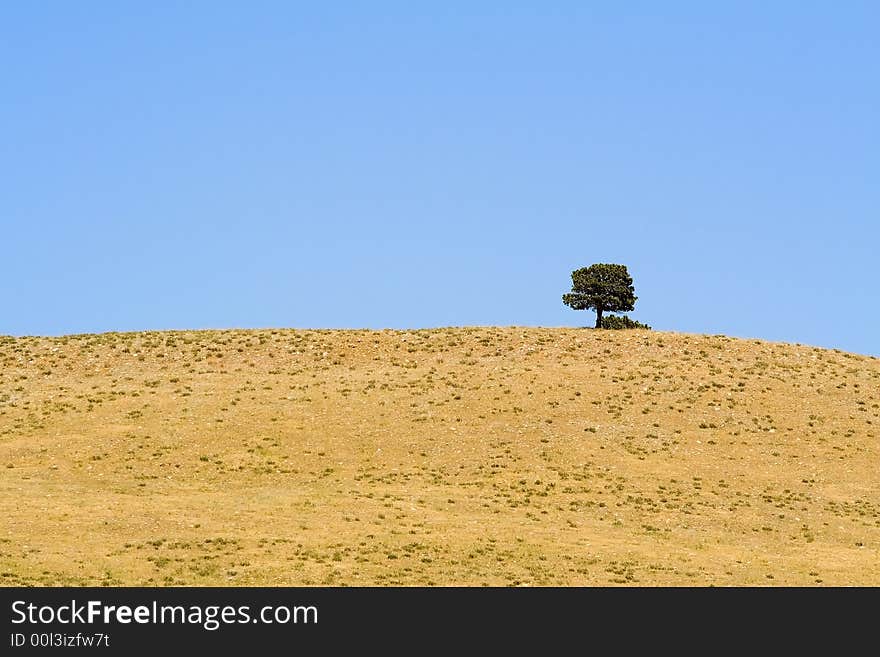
(521, 456)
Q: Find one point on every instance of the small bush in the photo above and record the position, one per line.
(621, 322)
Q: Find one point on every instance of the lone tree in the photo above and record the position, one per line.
(601, 287)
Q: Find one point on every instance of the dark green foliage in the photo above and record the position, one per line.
(601, 287)
(622, 322)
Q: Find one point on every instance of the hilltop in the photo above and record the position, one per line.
(502, 456)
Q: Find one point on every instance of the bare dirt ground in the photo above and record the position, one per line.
(501, 456)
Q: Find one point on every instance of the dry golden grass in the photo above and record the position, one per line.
(451, 456)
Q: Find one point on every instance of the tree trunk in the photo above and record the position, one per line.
(598, 318)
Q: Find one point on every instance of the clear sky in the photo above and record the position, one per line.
(402, 164)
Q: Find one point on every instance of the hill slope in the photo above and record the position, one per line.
(447, 456)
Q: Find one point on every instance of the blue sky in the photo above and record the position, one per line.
(398, 164)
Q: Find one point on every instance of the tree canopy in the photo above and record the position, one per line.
(601, 287)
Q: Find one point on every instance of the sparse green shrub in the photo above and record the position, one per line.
(622, 322)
